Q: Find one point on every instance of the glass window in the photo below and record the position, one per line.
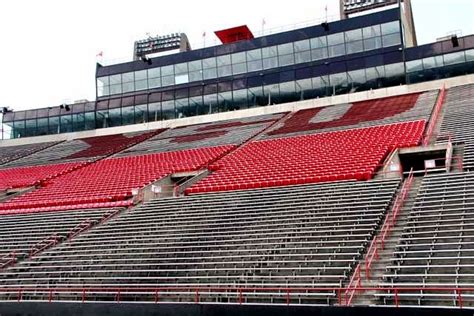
(182, 107)
(319, 42)
(285, 60)
(42, 128)
(302, 57)
(167, 81)
(239, 99)
(102, 83)
(140, 75)
(115, 89)
(154, 82)
(128, 77)
(255, 54)
(338, 80)
(141, 80)
(141, 85)
(196, 105)
(66, 123)
(356, 78)
(285, 49)
(181, 68)
(115, 79)
(390, 28)
(271, 92)
(354, 35)
(391, 40)
(223, 60)
(375, 73)
(209, 63)
(167, 71)
(89, 120)
(194, 65)
(301, 46)
(354, 47)
(269, 52)
(210, 103)
(209, 73)
(393, 70)
(335, 39)
(319, 53)
(371, 31)
(195, 76)
(254, 65)
(372, 43)
(128, 115)
(154, 111)
(454, 58)
(470, 55)
(270, 62)
(224, 100)
(414, 65)
(256, 97)
(167, 110)
(223, 71)
(179, 79)
(53, 125)
(238, 58)
(239, 68)
(128, 87)
(432, 62)
(154, 72)
(304, 88)
(141, 112)
(30, 128)
(115, 117)
(337, 50)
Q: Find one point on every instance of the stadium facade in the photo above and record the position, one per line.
(325, 170)
(347, 56)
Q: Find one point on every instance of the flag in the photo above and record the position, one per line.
(100, 54)
(264, 22)
(204, 34)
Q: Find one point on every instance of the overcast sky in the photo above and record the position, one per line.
(48, 51)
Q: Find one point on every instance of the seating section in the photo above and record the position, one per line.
(232, 132)
(436, 248)
(109, 182)
(22, 177)
(84, 149)
(457, 121)
(302, 236)
(342, 155)
(360, 114)
(10, 153)
(20, 235)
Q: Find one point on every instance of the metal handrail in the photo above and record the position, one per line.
(194, 294)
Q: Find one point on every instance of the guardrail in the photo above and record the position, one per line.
(391, 219)
(235, 295)
(434, 117)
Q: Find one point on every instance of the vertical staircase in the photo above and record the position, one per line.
(384, 255)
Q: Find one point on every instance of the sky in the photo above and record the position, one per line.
(49, 48)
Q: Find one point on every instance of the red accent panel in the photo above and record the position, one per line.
(359, 112)
(234, 34)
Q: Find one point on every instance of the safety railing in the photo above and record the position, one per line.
(44, 244)
(353, 286)
(445, 164)
(234, 295)
(8, 260)
(378, 243)
(434, 117)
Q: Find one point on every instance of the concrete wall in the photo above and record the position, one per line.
(293, 106)
(137, 309)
